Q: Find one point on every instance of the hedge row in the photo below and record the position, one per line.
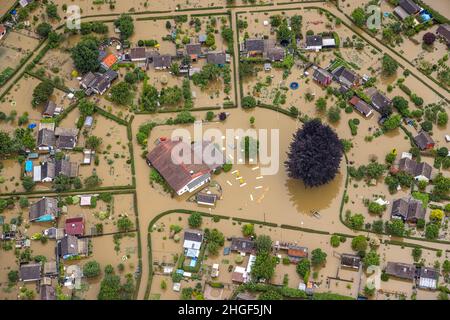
(277, 109)
(269, 224)
(108, 115)
(286, 226)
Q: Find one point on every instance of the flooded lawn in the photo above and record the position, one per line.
(273, 198)
(330, 277)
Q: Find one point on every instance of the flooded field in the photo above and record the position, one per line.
(106, 249)
(331, 277)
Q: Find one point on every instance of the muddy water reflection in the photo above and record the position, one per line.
(306, 199)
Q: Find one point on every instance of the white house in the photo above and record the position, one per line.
(192, 242)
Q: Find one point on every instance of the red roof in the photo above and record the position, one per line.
(75, 226)
(237, 277)
(110, 60)
(2, 28)
(297, 252)
(176, 175)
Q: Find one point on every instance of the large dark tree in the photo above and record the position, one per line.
(429, 38)
(315, 154)
(85, 55)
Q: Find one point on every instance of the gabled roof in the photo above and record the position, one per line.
(177, 173)
(48, 170)
(408, 209)
(409, 6)
(49, 108)
(74, 226)
(66, 142)
(322, 76)
(361, 106)
(67, 168)
(243, 245)
(254, 45)
(401, 270)
(162, 61)
(50, 268)
(297, 251)
(194, 49)
(275, 54)
(72, 246)
(350, 261)
(46, 137)
(423, 140)
(314, 41)
(378, 99)
(193, 235)
(45, 206)
(415, 169)
(2, 28)
(30, 272)
(48, 293)
(345, 76)
(70, 132)
(444, 31)
(206, 198)
(138, 54)
(109, 60)
(216, 57)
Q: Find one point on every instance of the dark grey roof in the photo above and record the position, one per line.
(408, 209)
(162, 61)
(275, 54)
(444, 31)
(429, 273)
(193, 235)
(99, 81)
(254, 45)
(137, 54)
(48, 293)
(67, 168)
(66, 142)
(415, 169)
(401, 270)
(68, 246)
(350, 260)
(194, 48)
(206, 198)
(30, 272)
(423, 139)
(314, 41)
(87, 79)
(243, 245)
(46, 137)
(48, 170)
(345, 76)
(49, 108)
(43, 207)
(409, 6)
(378, 99)
(216, 57)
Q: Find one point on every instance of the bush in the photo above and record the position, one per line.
(335, 241)
(195, 220)
(91, 269)
(248, 102)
